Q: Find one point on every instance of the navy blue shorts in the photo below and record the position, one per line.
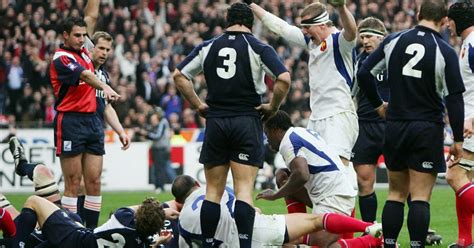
(76, 133)
(416, 145)
(238, 139)
(61, 231)
(369, 144)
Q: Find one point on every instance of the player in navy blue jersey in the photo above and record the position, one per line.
(134, 226)
(234, 65)
(424, 78)
(368, 146)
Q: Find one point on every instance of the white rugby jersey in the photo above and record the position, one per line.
(190, 223)
(327, 177)
(466, 61)
(330, 66)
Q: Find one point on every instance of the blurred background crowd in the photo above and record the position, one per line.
(151, 38)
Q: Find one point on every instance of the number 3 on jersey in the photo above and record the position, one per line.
(230, 56)
(408, 68)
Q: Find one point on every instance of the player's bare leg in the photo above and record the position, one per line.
(92, 172)
(244, 179)
(367, 196)
(72, 171)
(216, 177)
(459, 178)
(35, 210)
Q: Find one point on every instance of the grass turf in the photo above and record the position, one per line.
(443, 213)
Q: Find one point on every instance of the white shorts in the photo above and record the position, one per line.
(468, 144)
(335, 204)
(268, 230)
(351, 175)
(340, 132)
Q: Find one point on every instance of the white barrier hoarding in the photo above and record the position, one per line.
(123, 170)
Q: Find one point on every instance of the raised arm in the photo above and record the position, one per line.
(278, 26)
(91, 14)
(348, 23)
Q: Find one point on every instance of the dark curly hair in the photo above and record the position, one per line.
(150, 218)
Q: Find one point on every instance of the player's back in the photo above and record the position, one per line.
(119, 231)
(416, 63)
(190, 224)
(234, 66)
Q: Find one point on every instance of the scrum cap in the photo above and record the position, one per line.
(462, 13)
(240, 13)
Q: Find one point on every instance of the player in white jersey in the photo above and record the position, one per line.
(268, 230)
(311, 164)
(460, 175)
(330, 64)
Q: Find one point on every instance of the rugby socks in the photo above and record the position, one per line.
(27, 221)
(210, 215)
(92, 205)
(338, 223)
(464, 211)
(244, 216)
(80, 205)
(392, 222)
(368, 207)
(25, 169)
(294, 206)
(366, 241)
(349, 235)
(7, 225)
(69, 203)
(418, 222)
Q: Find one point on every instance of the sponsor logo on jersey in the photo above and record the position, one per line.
(427, 165)
(244, 157)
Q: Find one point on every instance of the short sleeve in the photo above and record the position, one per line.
(68, 70)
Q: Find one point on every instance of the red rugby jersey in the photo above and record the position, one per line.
(72, 94)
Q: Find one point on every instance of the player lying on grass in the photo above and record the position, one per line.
(268, 230)
(135, 226)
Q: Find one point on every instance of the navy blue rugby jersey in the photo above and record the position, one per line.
(100, 96)
(234, 66)
(422, 69)
(365, 110)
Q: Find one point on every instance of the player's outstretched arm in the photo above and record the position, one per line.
(278, 26)
(91, 14)
(112, 119)
(89, 77)
(348, 23)
(186, 88)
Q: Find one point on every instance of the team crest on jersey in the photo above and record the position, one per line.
(85, 57)
(324, 46)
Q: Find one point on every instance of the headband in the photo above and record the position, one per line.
(323, 18)
(371, 31)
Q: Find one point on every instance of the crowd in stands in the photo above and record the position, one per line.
(151, 38)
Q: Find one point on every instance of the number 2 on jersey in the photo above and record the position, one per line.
(230, 56)
(408, 68)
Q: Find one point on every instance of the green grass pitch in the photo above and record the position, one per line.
(443, 213)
